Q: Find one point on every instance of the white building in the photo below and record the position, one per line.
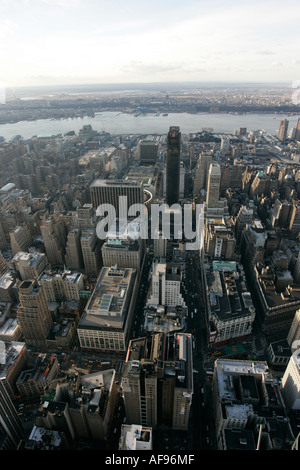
(135, 437)
(166, 285)
(291, 383)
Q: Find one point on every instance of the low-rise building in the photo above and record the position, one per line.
(246, 398)
(229, 307)
(135, 437)
(106, 320)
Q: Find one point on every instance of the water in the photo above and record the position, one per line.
(122, 123)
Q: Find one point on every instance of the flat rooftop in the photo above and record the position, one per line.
(106, 183)
(109, 302)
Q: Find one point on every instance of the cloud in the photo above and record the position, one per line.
(7, 28)
(266, 52)
(62, 3)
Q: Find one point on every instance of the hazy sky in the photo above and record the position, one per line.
(46, 42)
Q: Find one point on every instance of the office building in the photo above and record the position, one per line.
(7, 287)
(41, 371)
(147, 151)
(282, 130)
(44, 439)
(135, 437)
(85, 217)
(173, 158)
(20, 239)
(106, 320)
(15, 360)
(213, 185)
(109, 191)
(157, 381)
(83, 410)
(3, 264)
(124, 247)
(244, 217)
(291, 383)
(160, 246)
(229, 307)
(166, 286)
(54, 235)
(11, 429)
(73, 258)
(201, 172)
(294, 332)
(10, 330)
(91, 253)
(294, 219)
(33, 314)
(122, 253)
(248, 404)
(29, 265)
(61, 285)
(297, 131)
(220, 241)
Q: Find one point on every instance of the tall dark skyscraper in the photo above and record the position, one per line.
(173, 165)
(11, 430)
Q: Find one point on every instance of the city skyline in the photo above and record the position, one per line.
(72, 42)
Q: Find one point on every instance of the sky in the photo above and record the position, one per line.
(54, 42)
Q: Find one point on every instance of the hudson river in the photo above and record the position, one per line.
(122, 123)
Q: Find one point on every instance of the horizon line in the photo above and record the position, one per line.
(143, 84)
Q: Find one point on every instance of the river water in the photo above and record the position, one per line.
(123, 123)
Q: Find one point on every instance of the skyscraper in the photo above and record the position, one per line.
(34, 316)
(213, 185)
(297, 133)
(157, 380)
(282, 130)
(11, 430)
(173, 165)
(109, 191)
(201, 172)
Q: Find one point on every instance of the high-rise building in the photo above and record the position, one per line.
(20, 239)
(282, 130)
(294, 332)
(34, 316)
(73, 258)
(90, 247)
(244, 217)
(126, 250)
(29, 265)
(160, 246)
(248, 407)
(201, 172)
(157, 380)
(54, 235)
(104, 191)
(60, 286)
(166, 285)
(11, 430)
(291, 383)
(213, 185)
(173, 165)
(297, 132)
(147, 151)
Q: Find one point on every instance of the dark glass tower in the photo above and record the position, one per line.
(11, 430)
(173, 166)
